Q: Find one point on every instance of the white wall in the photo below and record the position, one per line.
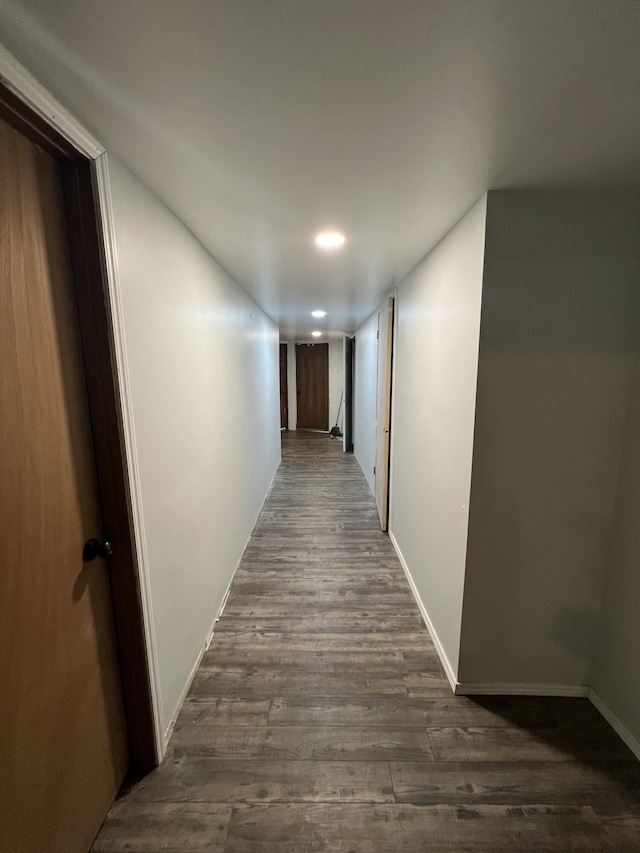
(202, 362)
(615, 675)
(336, 380)
(364, 397)
(558, 340)
(436, 358)
(291, 385)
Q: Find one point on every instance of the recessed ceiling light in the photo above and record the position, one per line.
(318, 313)
(316, 334)
(330, 240)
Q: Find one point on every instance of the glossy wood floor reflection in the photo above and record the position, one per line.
(321, 720)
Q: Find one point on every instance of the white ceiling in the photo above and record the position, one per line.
(260, 122)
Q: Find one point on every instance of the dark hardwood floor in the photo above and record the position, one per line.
(321, 720)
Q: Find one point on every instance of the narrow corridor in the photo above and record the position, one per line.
(321, 719)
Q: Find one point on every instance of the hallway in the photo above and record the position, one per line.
(321, 719)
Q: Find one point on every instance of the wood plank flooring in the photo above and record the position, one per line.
(321, 720)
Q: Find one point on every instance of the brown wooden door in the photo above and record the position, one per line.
(312, 381)
(284, 388)
(383, 410)
(62, 731)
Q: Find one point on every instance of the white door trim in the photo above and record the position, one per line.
(19, 81)
(116, 323)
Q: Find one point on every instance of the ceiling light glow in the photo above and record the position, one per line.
(318, 313)
(330, 240)
(316, 334)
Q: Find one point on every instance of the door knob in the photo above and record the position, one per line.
(94, 548)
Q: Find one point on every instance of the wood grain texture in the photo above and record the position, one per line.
(313, 743)
(432, 711)
(62, 726)
(208, 711)
(515, 782)
(248, 683)
(195, 779)
(348, 828)
(166, 827)
(90, 288)
(312, 386)
(321, 714)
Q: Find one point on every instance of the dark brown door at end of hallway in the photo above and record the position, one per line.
(284, 388)
(63, 738)
(312, 386)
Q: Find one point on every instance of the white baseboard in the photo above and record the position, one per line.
(615, 722)
(198, 661)
(511, 689)
(444, 660)
(186, 688)
(468, 689)
(207, 643)
(364, 474)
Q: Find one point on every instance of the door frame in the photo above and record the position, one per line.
(299, 346)
(284, 392)
(384, 398)
(31, 110)
(349, 388)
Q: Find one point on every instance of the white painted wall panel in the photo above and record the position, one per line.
(291, 385)
(558, 341)
(364, 397)
(336, 380)
(204, 384)
(615, 675)
(436, 359)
